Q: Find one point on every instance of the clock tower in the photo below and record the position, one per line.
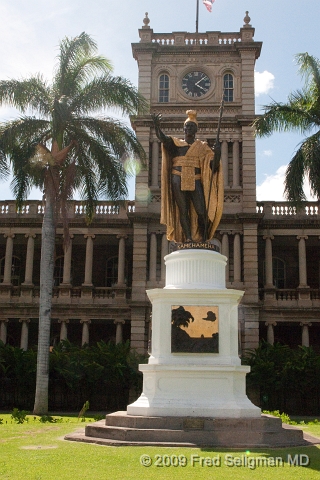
(180, 71)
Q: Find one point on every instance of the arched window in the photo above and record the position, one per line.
(163, 88)
(111, 271)
(58, 270)
(111, 278)
(279, 272)
(228, 87)
(15, 270)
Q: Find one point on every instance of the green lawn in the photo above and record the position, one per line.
(37, 451)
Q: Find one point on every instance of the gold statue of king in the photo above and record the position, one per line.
(191, 184)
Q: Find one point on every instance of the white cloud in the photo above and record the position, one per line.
(263, 82)
(267, 153)
(272, 188)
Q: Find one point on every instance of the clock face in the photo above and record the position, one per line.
(196, 84)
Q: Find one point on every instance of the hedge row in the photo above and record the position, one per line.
(102, 374)
(285, 379)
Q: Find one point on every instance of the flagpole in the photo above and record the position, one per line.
(197, 17)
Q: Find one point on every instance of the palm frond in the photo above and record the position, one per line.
(309, 67)
(113, 133)
(22, 171)
(4, 164)
(110, 189)
(20, 187)
(32, 93)
(108, 171)
(280, 117)
(302, 111)
(300, 99)
(87, 183)
(77, 62)
(82, 73)
(107, 91)
(17, 131)
(294, 178)
(311, 153)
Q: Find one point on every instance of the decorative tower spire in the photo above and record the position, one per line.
(146, 21)
(247, 20)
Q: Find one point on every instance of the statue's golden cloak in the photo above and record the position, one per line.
(169, 211)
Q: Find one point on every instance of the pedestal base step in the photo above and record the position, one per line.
(122, 429)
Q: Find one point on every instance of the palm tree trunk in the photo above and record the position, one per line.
(46, 285)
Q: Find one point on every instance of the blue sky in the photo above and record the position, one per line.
(30, 32)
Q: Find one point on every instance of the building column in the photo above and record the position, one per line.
(237, 258)
(67, 262)
(302, 260)
(138, 329)
(250, 316)
(121, 259)
(3, 329)
(270, 332)
(8, 258)
(85, 331)
(225, 251)
(139, 259)
(164, 252)
(153, 257)
(155, 164)
(224, 159)
(63, 329)
(236, 164)
(305, 333)
(29, 259)
(89, 259)
(250, 263)
(268, 260)
(24, 333)
(119, 324)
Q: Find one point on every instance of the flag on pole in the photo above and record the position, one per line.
(208, 4)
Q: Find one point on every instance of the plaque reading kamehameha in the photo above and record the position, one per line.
(194, 329)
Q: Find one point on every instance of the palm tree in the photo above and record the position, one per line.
(58, 145)
(301, 113)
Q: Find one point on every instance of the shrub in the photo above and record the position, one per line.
(19, 416)
(286, 379)
(102, 373)
(284, 417)
(49, 419)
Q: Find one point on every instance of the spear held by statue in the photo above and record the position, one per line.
(217, 151)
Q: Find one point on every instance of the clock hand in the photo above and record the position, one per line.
(197, 84)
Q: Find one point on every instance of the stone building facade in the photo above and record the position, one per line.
(101, 280)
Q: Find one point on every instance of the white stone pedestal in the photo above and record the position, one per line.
(187, 383)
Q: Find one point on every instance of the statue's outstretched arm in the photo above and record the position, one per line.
(156, 118)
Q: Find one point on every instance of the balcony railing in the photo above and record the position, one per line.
(286, 210)
(76, 209)
(185, 38)
(287, 294)
(67, 294)
(303, 297)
